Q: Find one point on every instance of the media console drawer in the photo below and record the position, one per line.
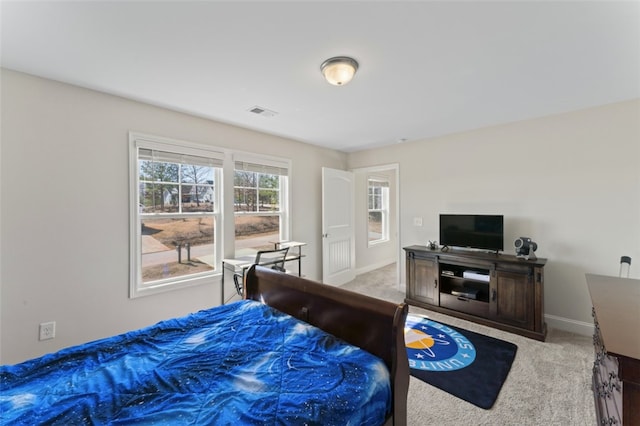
(462, 304)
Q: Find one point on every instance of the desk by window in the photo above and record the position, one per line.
(241, 264)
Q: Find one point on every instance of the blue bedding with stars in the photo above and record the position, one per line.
(243, 363)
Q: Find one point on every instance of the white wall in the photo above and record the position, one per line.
(65, 210)
(571, 182)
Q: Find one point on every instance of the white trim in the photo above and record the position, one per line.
(568, 324)
(190, 148)
(135, 238)
(267, 160)
(214, 278)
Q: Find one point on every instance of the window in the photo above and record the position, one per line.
(260, 188)
(176, 219)
(378, 210)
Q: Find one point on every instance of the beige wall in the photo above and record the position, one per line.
(64, 200)
(571, 182)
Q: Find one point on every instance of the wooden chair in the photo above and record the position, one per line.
(270, 258)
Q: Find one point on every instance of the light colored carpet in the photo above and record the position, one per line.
(549, 382)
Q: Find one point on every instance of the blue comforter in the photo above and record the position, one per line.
(242, 363)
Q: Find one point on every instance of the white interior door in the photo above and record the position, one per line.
(338, 236)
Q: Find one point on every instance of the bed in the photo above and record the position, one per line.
(295, 352)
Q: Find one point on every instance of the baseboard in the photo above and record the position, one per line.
(375, 266)
(567, 324)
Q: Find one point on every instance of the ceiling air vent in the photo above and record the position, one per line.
(262, 111)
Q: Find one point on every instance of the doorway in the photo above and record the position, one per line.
(377, 233)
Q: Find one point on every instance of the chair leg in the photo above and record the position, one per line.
(237, 281)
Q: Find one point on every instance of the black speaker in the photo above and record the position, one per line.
(525, 248)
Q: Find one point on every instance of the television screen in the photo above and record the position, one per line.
(471, 230)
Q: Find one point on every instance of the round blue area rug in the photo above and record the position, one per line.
(468, 365)
(432, 346)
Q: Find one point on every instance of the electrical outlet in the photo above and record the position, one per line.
(47, 330)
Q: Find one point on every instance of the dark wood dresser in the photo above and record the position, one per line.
(616, 369)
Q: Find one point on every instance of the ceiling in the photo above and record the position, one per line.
(426, 68)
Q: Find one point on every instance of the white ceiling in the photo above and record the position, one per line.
(426, 68)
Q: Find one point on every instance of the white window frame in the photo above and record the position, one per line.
(137, 141)
(384, 210)
(269, 165)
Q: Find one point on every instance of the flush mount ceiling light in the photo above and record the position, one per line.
(339, 70)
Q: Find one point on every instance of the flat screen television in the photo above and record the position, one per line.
(485, 232)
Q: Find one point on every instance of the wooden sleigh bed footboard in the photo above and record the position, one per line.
(374, 325)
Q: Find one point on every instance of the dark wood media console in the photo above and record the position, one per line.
(498, 290)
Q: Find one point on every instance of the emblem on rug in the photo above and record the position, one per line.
(432, 346)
